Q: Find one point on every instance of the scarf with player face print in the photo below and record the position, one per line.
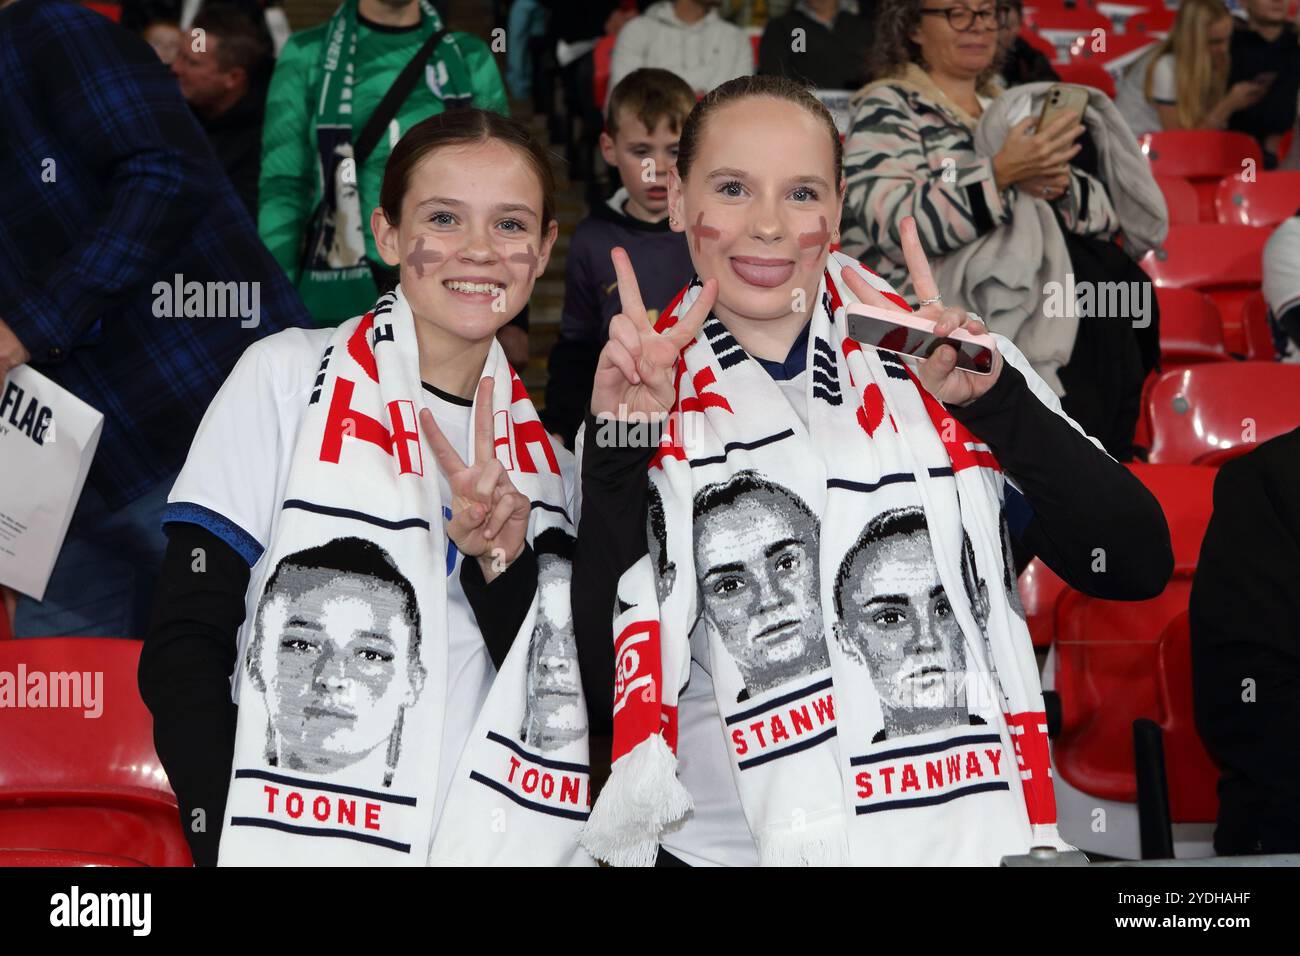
(845, 584)
(344, 680)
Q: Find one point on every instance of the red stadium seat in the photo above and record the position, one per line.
(1269, 199)
(1155, 20)
(1190, 328)
(1079, 19)
(1202, 156)
(1256, 329)
(1207, 414)
(1040, 589)
(1224, 261)
(1088, 73)
(1190, 771)
(84, 788)
(111, 10)
(1109, 47)
(1108, 652)
(602, 56)
(1182, 200)
(754, 40)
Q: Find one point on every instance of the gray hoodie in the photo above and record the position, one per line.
(705, 53)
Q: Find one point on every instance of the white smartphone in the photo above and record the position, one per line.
(906, 333)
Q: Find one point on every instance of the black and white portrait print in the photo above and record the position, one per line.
(340, 242)
(336, 653)
(756, 563)
(665, 570)
(554, 712)
(896, 618)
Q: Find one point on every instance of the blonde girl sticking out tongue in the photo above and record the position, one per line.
(818, 652)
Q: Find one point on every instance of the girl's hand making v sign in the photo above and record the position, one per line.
(635, 373)
(939, 373)
(487, 512)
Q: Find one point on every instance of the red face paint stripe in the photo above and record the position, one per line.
(421, 256)
(529, 259)
(811, 240)
(701, 231)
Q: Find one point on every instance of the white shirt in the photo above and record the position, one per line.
(238, 468)
(1131, 98)
(705, 53)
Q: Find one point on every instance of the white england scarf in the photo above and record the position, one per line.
(343, 684)
(876, 682)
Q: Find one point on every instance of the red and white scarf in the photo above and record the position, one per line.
(338, 745)
(875, 679)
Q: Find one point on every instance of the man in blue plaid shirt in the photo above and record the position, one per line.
(108, 187)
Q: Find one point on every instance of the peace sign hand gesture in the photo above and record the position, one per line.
(939, 373)
(634, 376)
(489, 518)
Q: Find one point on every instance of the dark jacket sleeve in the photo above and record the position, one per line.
(611, 538)
(111, 105)
(500, 606)
(1245, 632)
(571, 368)
(185, 668)
(1083, 500)
(571, 372)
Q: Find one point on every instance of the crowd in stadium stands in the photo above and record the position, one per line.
(257, 154)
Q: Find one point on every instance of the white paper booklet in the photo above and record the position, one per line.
(48, 437)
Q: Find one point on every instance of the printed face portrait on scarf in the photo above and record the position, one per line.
(554, 714)
(335, 650)
(342, 243)
(897, 618)
(756, 560)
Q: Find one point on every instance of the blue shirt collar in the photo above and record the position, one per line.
(794, 363)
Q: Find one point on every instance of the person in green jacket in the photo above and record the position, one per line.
(314, 206)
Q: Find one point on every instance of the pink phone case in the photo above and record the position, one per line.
(913, 346)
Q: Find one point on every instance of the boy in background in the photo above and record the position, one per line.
(646, 111)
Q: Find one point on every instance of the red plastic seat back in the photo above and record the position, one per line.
(1207, 414)
(1190, 328)
(1080, 19)
(1224, 261)
(1191, 773)
(1040, 589)
(111, 10)
(1106, 660)
(83, 777)
(1108, 652)
(1181, 199)
(1088, 73)
(1256, 330)
(1266, 201)
(1204, 157)
(1110, 46)
(1155, 20)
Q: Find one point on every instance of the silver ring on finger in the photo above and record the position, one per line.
(931, 301)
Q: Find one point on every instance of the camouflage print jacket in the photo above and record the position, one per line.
(911, 152)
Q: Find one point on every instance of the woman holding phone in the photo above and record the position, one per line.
(817, 646)
(394, 612)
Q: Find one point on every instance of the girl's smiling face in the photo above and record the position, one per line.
(471, 241)
(760, 206)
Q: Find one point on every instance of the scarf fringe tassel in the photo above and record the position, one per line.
(641, 797)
